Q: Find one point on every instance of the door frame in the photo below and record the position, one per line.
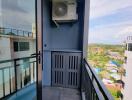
(39, 46)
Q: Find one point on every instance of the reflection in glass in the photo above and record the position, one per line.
(17, 40)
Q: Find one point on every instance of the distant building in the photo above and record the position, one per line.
(16, 46)
(34, 30)
(128, 67)
(115, 55)
(97, 50)
(112, 65)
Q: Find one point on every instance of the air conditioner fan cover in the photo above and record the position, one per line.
(60, 9)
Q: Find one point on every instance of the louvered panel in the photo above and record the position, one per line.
(73, 70)
(57, 69)
(66, 69)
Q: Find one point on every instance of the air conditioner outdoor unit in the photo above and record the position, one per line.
(64, 10)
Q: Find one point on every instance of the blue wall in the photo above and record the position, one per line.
(47, 69)
(65, 37)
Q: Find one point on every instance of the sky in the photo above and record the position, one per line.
(110, 21)
(17, 14)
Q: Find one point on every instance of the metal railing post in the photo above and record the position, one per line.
(95, 89)
(3, 78)
(14, 76)
(15, 67)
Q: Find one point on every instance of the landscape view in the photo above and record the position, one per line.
(109, 53)
(110, 45)
(107, 61)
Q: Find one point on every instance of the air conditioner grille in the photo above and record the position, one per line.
(60, 9)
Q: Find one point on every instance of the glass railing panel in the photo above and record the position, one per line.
(6, 78)
(26, 72)
(17, 74)
(17, 44)
(1, 84)
(7, 81)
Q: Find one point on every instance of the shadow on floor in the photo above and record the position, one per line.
(59, 93)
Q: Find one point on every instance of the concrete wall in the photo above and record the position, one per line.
(20, 54)
(128, 78)
(7, 48)
(5, 52)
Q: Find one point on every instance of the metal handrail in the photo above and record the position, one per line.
(15, 32)
(9, 60)
(98, 88)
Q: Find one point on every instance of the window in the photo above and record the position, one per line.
(126, 47)
(130, 47)
(125, 60)
(16, 46)
(21, 46)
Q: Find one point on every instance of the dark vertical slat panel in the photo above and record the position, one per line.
(74, 62)
(15, 70)
(69, 62)
(54, 59)
(33, 71)
(59, 77)
(77, 63)
(76, 80)
(71, 78)
(57, 61)
(10, 79)
(21, 79)
(30, 71)
(62, 61)
(54, 77)
(3, 79)
(62, 77)
(67, 67)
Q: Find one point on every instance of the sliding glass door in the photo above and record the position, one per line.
(20, 50)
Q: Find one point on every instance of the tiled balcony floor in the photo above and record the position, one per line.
(58, 93)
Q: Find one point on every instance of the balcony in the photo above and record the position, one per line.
(61, 72)
(17, 78)
(19, 82)
(15, 32)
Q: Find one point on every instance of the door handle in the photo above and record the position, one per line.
(35, 54)
(38, 55)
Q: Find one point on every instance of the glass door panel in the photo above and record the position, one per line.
(17, 46)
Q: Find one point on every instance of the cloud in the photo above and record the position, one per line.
(114, 33)
(100, 8)
(12, 5)
(110, 21)
(18, 16)
(124, 32)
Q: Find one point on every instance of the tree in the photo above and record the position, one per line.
(121, 72)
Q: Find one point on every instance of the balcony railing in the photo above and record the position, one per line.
(92, 86)
(19, 73)
(16, 74)
(15, 32)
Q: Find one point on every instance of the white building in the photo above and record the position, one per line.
(16, 47)
(12, 47)
(128, 67)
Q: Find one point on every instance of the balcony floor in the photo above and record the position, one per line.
(59, 93)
